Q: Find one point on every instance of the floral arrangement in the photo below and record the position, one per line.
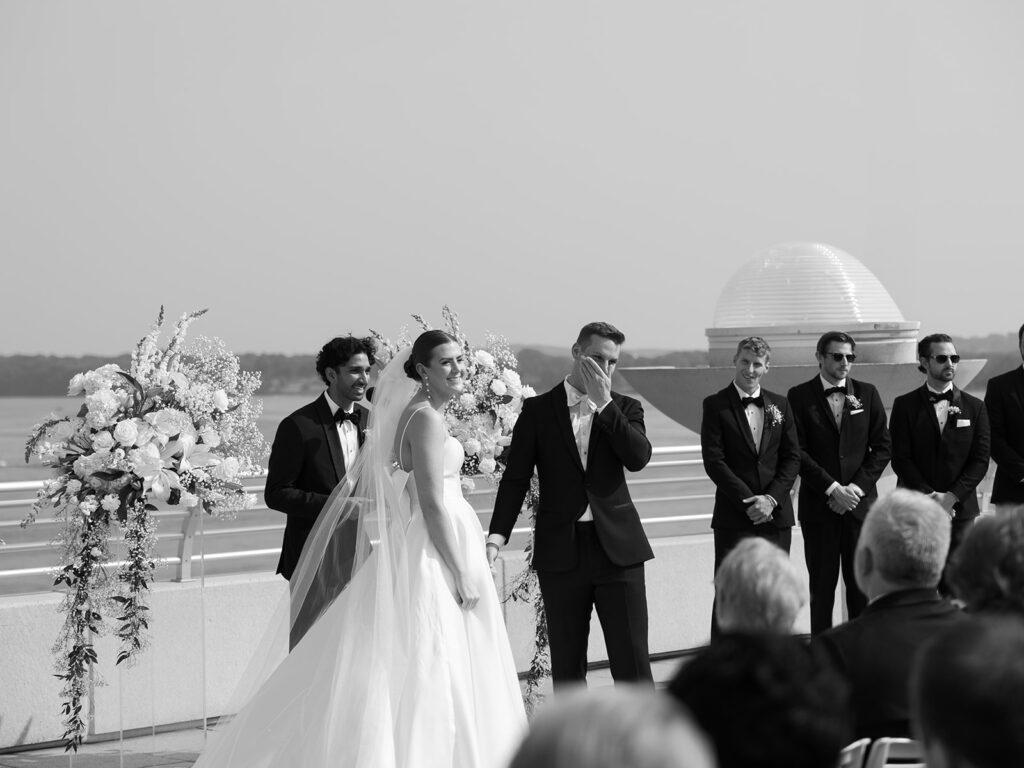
(178, 427)
(855, 404)
(772, 415)
(483, 416)
(482, 420)
(953, 410)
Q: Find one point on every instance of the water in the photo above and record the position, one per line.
(18, 415)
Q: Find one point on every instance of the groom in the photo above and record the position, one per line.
(589, 544)
(314, 445)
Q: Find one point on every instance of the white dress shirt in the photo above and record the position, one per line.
(942, 406)
(348, 433)
(837, 402)
(755, 415)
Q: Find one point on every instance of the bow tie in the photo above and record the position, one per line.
(574, 400)
(758, 401)
(341, 417)
(835, 391)
(934, 397)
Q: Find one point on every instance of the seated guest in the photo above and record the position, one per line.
(898, 563)
(611, 728)
(967, 691)
(766, 701)
(987, 572)
(758, 589)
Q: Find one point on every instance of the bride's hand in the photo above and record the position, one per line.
(466, 593)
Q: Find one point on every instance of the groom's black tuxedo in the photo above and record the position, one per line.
(1004, 399)
(306, 462)
(857, 450)
(583, 564)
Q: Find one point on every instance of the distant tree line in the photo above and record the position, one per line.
(48, 375)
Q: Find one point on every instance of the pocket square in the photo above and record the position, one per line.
(859, 410)
(963, 423)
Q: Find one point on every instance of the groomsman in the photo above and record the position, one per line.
(1004, 400)
(314, 445)
(941, 438)
(751, 451)
(589, 544)
(844, 448)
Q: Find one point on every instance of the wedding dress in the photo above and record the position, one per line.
(394, 673)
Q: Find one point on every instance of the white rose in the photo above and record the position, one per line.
(88, 506)
(220, 400)
(484, 358)
(188, 499)
(73, 487)
(498, 387)
(467, 400)
(169, 421)
(126, 433)
(227, 470)
(103, 441)
(472, 446)
(487, 465)
(111, 502)
(77, 385)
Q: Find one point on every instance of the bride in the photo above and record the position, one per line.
(406, 663)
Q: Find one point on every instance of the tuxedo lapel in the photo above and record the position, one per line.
(364, 415)
(331, 435)
(925, 404)
(825, 405)
(560, 404)
(740, 415)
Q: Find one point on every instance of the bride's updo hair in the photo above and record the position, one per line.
(423, 348)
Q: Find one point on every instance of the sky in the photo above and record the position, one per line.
(308, 168)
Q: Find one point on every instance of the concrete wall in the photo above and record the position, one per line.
(227, 618)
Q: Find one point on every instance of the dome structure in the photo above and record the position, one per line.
(797, 283)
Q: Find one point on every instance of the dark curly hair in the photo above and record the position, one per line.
(423, 348)
(987, 570)
(339, 350)
(766, 701)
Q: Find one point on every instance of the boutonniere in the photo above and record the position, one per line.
(953, 410)
(855, 404)
(772, 414)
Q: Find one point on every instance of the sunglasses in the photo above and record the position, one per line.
(839, 356)
(943, 358)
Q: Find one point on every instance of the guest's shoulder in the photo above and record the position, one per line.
(804, 389)
(972, 400)
(906, 398)
(776, 397)
(863, 388)
(1006, 379)
(719, 398)
(308, 412)
(625, 401)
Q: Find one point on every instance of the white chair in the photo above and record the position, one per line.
(853, 754)
(905, 753)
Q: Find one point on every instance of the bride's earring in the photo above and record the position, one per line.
(426, 389)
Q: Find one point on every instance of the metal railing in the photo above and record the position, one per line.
(672, 494)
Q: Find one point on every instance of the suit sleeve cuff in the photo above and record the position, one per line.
(831, 488)
(496, 539)
(771, 498)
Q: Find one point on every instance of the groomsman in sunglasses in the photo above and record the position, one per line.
(941, 438)
(751, 452)
(1004, 399)
(844, 448)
